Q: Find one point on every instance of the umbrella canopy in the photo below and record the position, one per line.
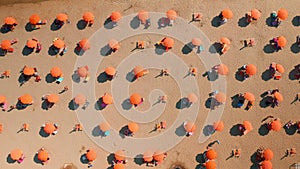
(115, 16)
(91, 155)
(84, 44)
(43, 155)
(279, 68)
(249, 96)
(6, 44)
(111, 71)
(225, 40)
(133, 127)
(2, 99)
(56, 72)
(104, 126)
(59, 43)
(49, 128)
(210, 164)
(82, 71)
(251, 69)
(135, 98)
(31, 43)
(16, 154)
(119, 166)
(219, 126)
(227, 13)
(266, 165)
(168, 42)
(282, 14)
(62, 17)
(158, 156)
(220, 97)
(247, 125)
(9, 21)
(120, 155)
(255, 14)
(88, 16)
(275, 125)
(171, 14)
(268, 154)
(80, 99)
(148, 156)
(143, 15)
(282, 41)
(113, 43)
(26, 99)
(211, 154)
(196, 41)
(222, 69)
(137, 70)
(107, 99)
(278, 96)
(28, 71)
(192, 98)
(53, 98)
(190, 126)
(34, 19)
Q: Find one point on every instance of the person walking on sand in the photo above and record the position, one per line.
(25, 127)
(66, 88)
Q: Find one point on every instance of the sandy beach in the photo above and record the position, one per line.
(68, 148)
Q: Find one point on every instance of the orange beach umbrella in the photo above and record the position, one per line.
(80, 99)
(9, 21)
(279, 68)
(115, 16)
(120, 155)
(91, 155)
(268, 154)
(119, 166)
(222, 69)
(133, 127)
(111, 71)
(6, 44)
(43, 155)
(251, 69)
(219, 125)
(148, 156)
(211, 154)
(171, 14)
(190, 126)
(59, 43)
(82, 71)
(113, 43)
(16, 154)
(84, 44)
(158, 156)
(49, 128)
(249, 96)
(56, 72)
(275, 125)
(210, 164)
(282, 14)
(34, 19)
(255, 14)
(28, 71)
(53, 98)
(225, 40)
(26, 99)
(107, 99)
(2, 99)
(192, 98)
(135, 98)
(227, 13)
(62, 17)
(139, 71)
(282, 41)
(168, 42)
(266, 165)
(143, 15)
(196, 41)
(104, 126)
(220, 97)
(31, 43)
(247, 125)
(88, 16)
(278, 96)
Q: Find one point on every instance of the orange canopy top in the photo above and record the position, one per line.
(168, 42)
(120, 155)
(279, 68)
(158, 156)
(135, 98)
(227, 13)
(222, 69)
(210, 164)
(43, 155)
(278, 96)
(133, 127)
(16, 154)
(219, 125)
(249, 96)
(88, 16)
(26, 99)
(10, 20)
(282, 14)
(255, 14)
(104, 126)
(34, 19)
(137, 70)
(53, 98)
(111, 71)
(91, 155)
(251, 69)
(115, 16)
(56, 72)
(119, 166)
(148, 156)
(247, 125)
(82, 71)
(113, 43)
(192, 97)
(282, 41)
(143, 15)
(171, 14)
(31, 43)
(107, 99)
(268, 154)
(196, 41)
(62, 17)
(189, 126)
(2, 99)
(211, 154)
(84, 44)
(59, 43)
(29, 71)
(275, 125)
(49, 128)
(225, 40)
(6, 44)
(220, 97)
(80, 99)
(266, 165)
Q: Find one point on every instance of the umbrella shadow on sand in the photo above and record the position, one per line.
(138, 159)
(159, 49)
(130, 77)
(135, 22)
(235, 131)
(254, 161)
(100, 105)
(291, 130)
(42, 133)
(239, 75)
(126, 105)
(266, 102)
(9, 160)
(52, 51)
(96, 132)
(211, 75)
(266, 75)
(187, 48)
(182, 103)
(200, 158)
(102, 77)
(83, 159)
(296, 21)
(243, 22)
(293, 73)
(208, 130)
(36, 160)
(123, 130)
(295, 48)
(78, 51)
(163, 22)
(269, 21)
(211, 103)
(108, 23)
(4, 30)
(53, 26)
(28, 27)
(263, 130)
(180, 131)
(106, 50)
(269, 48)
(215, 22)
(215, 48)
(75, 77)
(27, 51)
(81, 24)
(49, 78)
(110, 158)
(72, 105)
